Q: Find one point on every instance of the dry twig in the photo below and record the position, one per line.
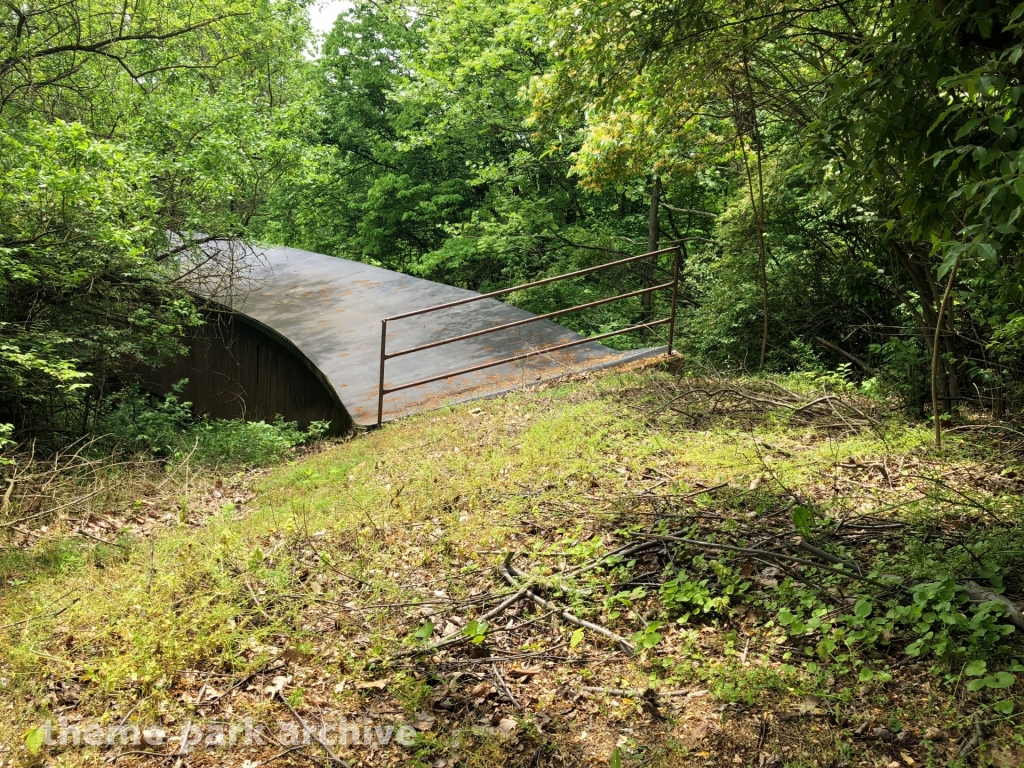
(511, 575)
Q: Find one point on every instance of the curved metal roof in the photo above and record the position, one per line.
(331, 309)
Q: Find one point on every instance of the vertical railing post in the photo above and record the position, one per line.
(675, 291)
(380, 385)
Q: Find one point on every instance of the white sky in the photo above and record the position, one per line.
(323, 14)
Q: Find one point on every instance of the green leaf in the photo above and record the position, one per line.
(425, 631)
(34, 740)
(862, 609)
(802, 517)
(479, 632)
(615, 761)
(950, 259)
(651, 639)
(987, 252)
(976, 668)
(976, 685)
(1004, 707)
(969, 126)
(476, 630)
(1000, 680)
(576, 638)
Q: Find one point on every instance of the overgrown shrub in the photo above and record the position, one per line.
(167, 427)
(233, 442)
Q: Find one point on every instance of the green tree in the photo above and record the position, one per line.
(906, 111)
(434, 162)
(135, 137)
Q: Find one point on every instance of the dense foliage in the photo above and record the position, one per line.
(129, 134)
(846, 178)
(432, 162)
(903, 118)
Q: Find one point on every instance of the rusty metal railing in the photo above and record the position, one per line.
(673, 284)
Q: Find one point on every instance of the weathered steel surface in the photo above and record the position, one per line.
(330, 309)
(236, 369)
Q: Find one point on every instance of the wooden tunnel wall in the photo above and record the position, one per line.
(235, 369)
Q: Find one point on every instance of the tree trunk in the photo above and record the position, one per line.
(930, 298)
(940, 328)
(653, 238)
(754, 132)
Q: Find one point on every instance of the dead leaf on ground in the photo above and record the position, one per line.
(423, 721)
(277, 685)
(378, 684)
(695, 735)
(524, 671)
(1009, 756)
(293, 655)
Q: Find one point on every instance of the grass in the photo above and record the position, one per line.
(314, 592)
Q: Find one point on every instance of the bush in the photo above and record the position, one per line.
(138, 422)
(233, 442)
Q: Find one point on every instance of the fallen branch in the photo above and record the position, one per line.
(843, 353)
(256, 600)
(510, 575)
(791, 402)
(45, 511)
(263, 669)
(458, 638)
(279, 755)
(97, 539)
(44, 616)
(810, 549)
(624, 551)
(7, 496)
(970, 743)
(625, 693)
(313, 735)
(769, 554)
(830, 400)
(503, 688)
(978, 594)
(142, 753)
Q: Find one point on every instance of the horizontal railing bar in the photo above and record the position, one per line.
(524, 356)
(534, 284)
(526, 321)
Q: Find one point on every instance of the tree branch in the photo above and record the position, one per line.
(694, 211)
(99, 46)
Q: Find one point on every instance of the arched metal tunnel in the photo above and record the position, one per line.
(301, 337)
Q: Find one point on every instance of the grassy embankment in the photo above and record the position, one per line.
(323, 595)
